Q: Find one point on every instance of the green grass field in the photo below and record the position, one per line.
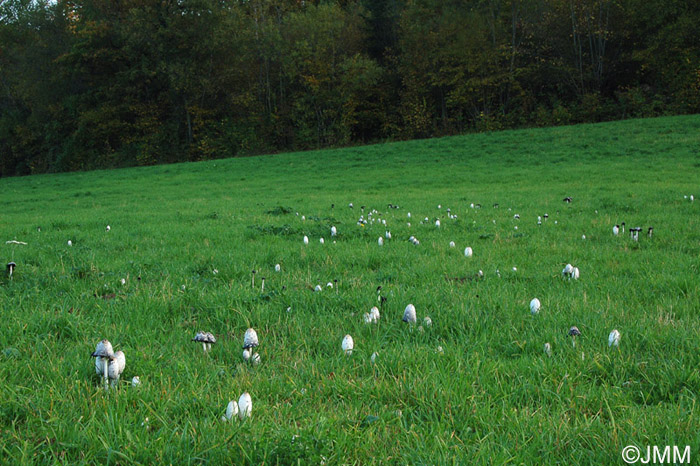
(492, 396)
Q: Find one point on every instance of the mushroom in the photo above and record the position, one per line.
(231, 410)
(548, 349)
(322, 241)
(262, 289)
(452, 244)
(616, 230)
(278, 268)
(650, 232)
(245, 406)
(136, 381)
(409, 314)
(306, 240)
(567, 200)
(334, 231)
(622, 228)
(108, 228)
(380, 241)
(70, 243)
(117, 363)
(374, 314)
(437, 223)
(575, 273)
(534, 306)
(427, 321)
(573, 333)
(252, 279)
(568, 270)
(348, 345)
(387, 235)
(250, 339)
(468, 251)
(11, 268)
(206, 339)
(614, 338)
(102, 354)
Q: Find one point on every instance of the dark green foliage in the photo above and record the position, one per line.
(90, 84)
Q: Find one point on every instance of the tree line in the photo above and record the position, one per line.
(108, 83)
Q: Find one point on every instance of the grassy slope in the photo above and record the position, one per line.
(492, 397)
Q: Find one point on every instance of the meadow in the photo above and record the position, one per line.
(475, 387)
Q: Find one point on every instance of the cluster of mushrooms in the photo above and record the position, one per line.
(634, 232)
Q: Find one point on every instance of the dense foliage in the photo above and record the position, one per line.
(104, 83)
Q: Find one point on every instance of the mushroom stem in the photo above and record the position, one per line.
(573, 342)
(263, 286)
(105, 365)
(204, 347)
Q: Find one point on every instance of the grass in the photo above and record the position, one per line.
(490, 397)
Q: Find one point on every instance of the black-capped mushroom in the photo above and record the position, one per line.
(573, 333)
(206, 339)
(11, 268)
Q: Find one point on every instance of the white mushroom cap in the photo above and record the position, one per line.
(409, 314)
(103, 349)
(245, 406)
(568, 269)
(136, 381)
(306, 240)
(250, 339)
(318, 288)
(348, 345)
(116, 365)
(468, 251)
(575, 273)
(614, 338)
(246, 355)
(427, 321)
(452, 244)
(535, 306)
(374, 313)
(380, 241)
(231, 410)
(255, 359)
(547, 349)
(278, 267)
